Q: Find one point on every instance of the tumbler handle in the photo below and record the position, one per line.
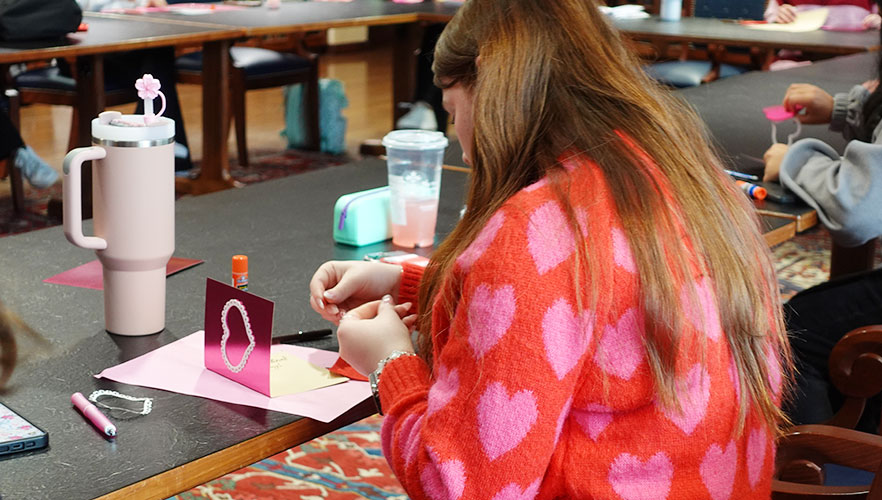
(73, 211)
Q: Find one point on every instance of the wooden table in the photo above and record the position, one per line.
(293, 17)
(107, 35)
(732, 34)
(285, 227)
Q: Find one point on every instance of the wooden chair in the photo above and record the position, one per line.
(16, 181)
(259, 68)
(804, 450)
(47, 85)
(856, 372)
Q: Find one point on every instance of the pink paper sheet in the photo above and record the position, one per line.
(90, 274)
(178, 367)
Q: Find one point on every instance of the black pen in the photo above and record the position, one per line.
(302, 336)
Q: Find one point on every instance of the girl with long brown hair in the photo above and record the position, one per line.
(604, 322)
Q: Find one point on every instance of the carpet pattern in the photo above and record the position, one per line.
(265, 165)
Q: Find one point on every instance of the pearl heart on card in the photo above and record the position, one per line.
(226, 336)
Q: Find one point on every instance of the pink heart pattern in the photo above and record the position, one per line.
(536, 185)
(694, 394)
(756, 454)
(775, 377)
(734, 378)
(718, 470)
(409, 437)
(593, 419)
(482, 241)
(513, 492)
(549, 237)
(704, 316)
(635, 479)
(445, 387)
(622, 251)
(621, 348)
(443, 480)
(490, 315)
(565, 336)
(504, 421)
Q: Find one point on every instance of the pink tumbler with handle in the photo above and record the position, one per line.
(133, 208)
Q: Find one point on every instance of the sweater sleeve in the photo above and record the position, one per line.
(848, 116)
(488, 419)
(845, 190)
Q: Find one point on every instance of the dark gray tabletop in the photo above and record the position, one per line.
(732, 107)
(114, 35)
(706, 30)
(284, 226)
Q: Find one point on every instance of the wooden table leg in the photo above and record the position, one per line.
(90, 93)
(408, 38)
(215, 174)
(845, 261)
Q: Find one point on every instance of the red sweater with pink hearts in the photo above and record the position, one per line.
(529, 397)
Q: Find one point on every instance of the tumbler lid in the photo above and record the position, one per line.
(113, 128)
(415, 140)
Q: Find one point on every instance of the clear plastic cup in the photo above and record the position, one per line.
(414, 159)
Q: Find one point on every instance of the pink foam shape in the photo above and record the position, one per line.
(178, 367)
(778, 113)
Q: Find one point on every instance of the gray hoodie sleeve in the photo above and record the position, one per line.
(848, 113)
(846, 191)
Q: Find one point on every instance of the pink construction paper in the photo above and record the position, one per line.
(177, 367)
(90, 274)
(254, 371)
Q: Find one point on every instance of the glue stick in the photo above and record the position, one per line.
(240, 272)
(752, 190)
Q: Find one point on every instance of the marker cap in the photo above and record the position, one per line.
(240, 263)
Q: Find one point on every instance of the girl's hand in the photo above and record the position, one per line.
(872, 22)
(773, 157)
(786, 14)
(369, 333)
(817, 103)
(156, 3)
(338, 286)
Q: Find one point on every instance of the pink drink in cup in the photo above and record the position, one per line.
(414, 160)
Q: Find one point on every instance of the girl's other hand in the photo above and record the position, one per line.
(786, 14)
(872, 21)
(369, 333)
(817, 103)
(773, 157)
(338, 286)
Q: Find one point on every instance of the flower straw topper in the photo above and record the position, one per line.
(779, 114)
(148, 88)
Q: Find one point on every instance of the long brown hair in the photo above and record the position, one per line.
(555, 77)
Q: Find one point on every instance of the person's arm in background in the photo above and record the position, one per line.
(775, 13)
(98, 5)
(845, 190)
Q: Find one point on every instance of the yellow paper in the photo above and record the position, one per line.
(291, 375)
(811, 20)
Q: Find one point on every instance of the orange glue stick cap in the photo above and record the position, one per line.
(240, 263)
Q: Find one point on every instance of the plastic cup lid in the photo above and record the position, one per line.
(415, 140)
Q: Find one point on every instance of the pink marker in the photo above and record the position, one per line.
(93, 414)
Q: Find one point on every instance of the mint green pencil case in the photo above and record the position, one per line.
(362, 218)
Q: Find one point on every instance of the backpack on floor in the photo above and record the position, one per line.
(332, 123)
